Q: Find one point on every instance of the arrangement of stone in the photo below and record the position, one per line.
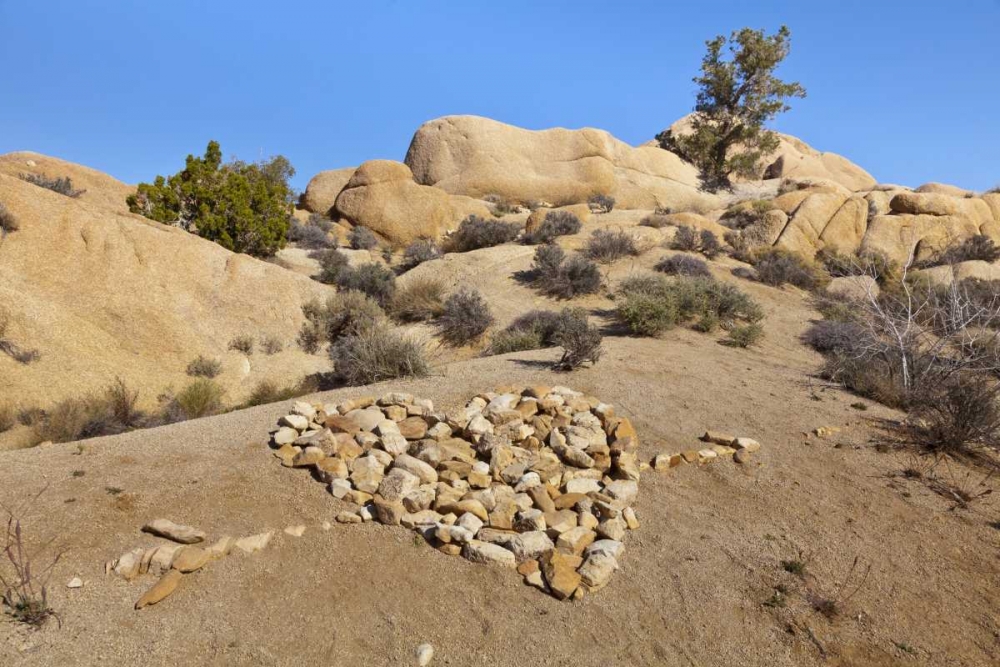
(541, 479)
(721, 445)
(174, 560)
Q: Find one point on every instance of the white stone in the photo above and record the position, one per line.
(528, 480)
(254, 543)
(394, 443)
(479, 426)
(424, 653)
(298, 422)
(533, 544)
(578, 485)
(470, 522)
(304, 409)
(611, 548)
(596, 571)
(625, 490)
(295, 531)
(75, 582)
(489, 554)
(340, 488)
(285, 436)
(426, 473)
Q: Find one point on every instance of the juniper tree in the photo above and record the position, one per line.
(736, 96)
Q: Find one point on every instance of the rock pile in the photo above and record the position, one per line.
(541, 479)
(173, 560)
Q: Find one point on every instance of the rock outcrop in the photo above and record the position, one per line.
(383, 197)
(101, 293)
(474, 156)
(99, 188)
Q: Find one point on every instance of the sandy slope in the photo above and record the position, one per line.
(694, 575)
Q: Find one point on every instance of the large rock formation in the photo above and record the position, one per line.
(474, 156)
(323, 188)
(100, 293)
(383, 196)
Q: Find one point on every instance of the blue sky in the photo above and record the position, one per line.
(909, 90)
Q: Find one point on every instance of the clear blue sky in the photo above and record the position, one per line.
(909, 90)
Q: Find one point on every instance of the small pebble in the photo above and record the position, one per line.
(75, 582)
(425, 653)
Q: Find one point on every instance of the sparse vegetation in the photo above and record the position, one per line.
(866, 263)
(24, 582)
(60, 184)
(465, 318)
(500, 205)
(362, 238)
(979, 247)
(685, 239)
(267, 391)
(556, 276)
(244, 207)
(709, 245)
(777, 267)
(420, 251)
(556, 223)
(606, 246)
(271, 345)
(656, 221)
(745, 335)
(201, 398)
(8, 221)
(373, 279)
(243, 343)
(476, 232)
(531, 331)
(311, 234)
(736, 97)
(343, 314)
(580, 340)
(419, 300)
(106, 413)
(204, 367)
(601, 203)
(650, 304)
(331, 263)
(375, 354)
(683, 265)
(8, 417)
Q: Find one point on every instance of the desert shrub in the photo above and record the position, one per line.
(956, 415)
(745, 335)
(476, 232)
(831, 336)
(656, 221)
(244, 207)
(606, 246)
(420, 251)
(419, 300)
(8, 221)
(25, 575)
(500, 205)
(30, 416)
(267, 391)
(709, 244)
(321, 221)
(375, 280)
(979, 247)
(204, 367)
(556, 276)
(683, 265)
(777, 267)
(63, 185)
(556, 223)
(580, 340)
(650, 304)
(8, 417)
(531, 331)
(869, 262)
(343, 314)
(375, 354)
(331, 263)
(465, 318)
(243, 343)
(601, 203)
(685, 239)
(271, 345)
(201, 398)
(995, 190)
(111, 411)
(747, 214)
(362, 238)
(310, 235)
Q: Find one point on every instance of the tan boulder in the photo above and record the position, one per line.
(321, 193)
(943, 189)
(383, 196)
(898, 235)
(537, 217)
(916, 203)
(846, 229)
(975, 269)
(992, 199)
(854, 288)
(162, 589)
(802, 232)
(476, 156)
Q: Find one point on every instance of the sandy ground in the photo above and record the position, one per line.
(692, 582)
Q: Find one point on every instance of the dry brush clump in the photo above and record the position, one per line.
(372, 279)
(111, 411)
(650, 304)
(61, 184)
(536, 329)
(563, 278)
(683, 265)
(607, 246)
(420, 251)
(26, 571)
(601, 203)
(375, 354)
(475, 233)
(421, 299)
(362, 238)
(331, 263)
(243, 343)
(313, 234)
(556, 223)
(8, 221)
(465, 318)
(201, 398)
(975, 248)
(778, 267)
(204, 367)
(342, 314)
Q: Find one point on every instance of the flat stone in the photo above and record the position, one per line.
(527, 567)
(295, 531)
(630, 518)
(367, 418)
(707, 455)
(597, 570)
(340, 488)
(717, 438)
(388, 512)
(304, 409)
(348, 517)
(426, 473)
(748, 444)
(742, 456)
(309, 456)
(424, 654)
(190, 559)
(575, 540)
(559, 571)
(285, 436)
(221, 548)
(397, 484)
(413, 428)
(297, 422)
(582, 487)
(560, 521)
(161, 590)
(419, 499)
(612, 548)
(470, 522)
(625, 490)
(75, 582)
(173, 531)
(127, 565)
(367, 473)
(530, 545)
(342, 424)
(254, 543)
(489, 554)
(396, 413)
(612, 529)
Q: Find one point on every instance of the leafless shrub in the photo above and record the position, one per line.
(243, 343)
(8, 221)
(556, 223)
(601, 203)
(465, 318)
(476, 232)
(362, 238)
(606, 246)
(372, 279)
(556, 276)
(420, 251)
(580, 340)
(376, 354)
(683, 265)
(271, 345)
(979, 247)
(63, 185)
(24, 583)
(778, 267)
(686, 239)
(310, 236)
(202, 366)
